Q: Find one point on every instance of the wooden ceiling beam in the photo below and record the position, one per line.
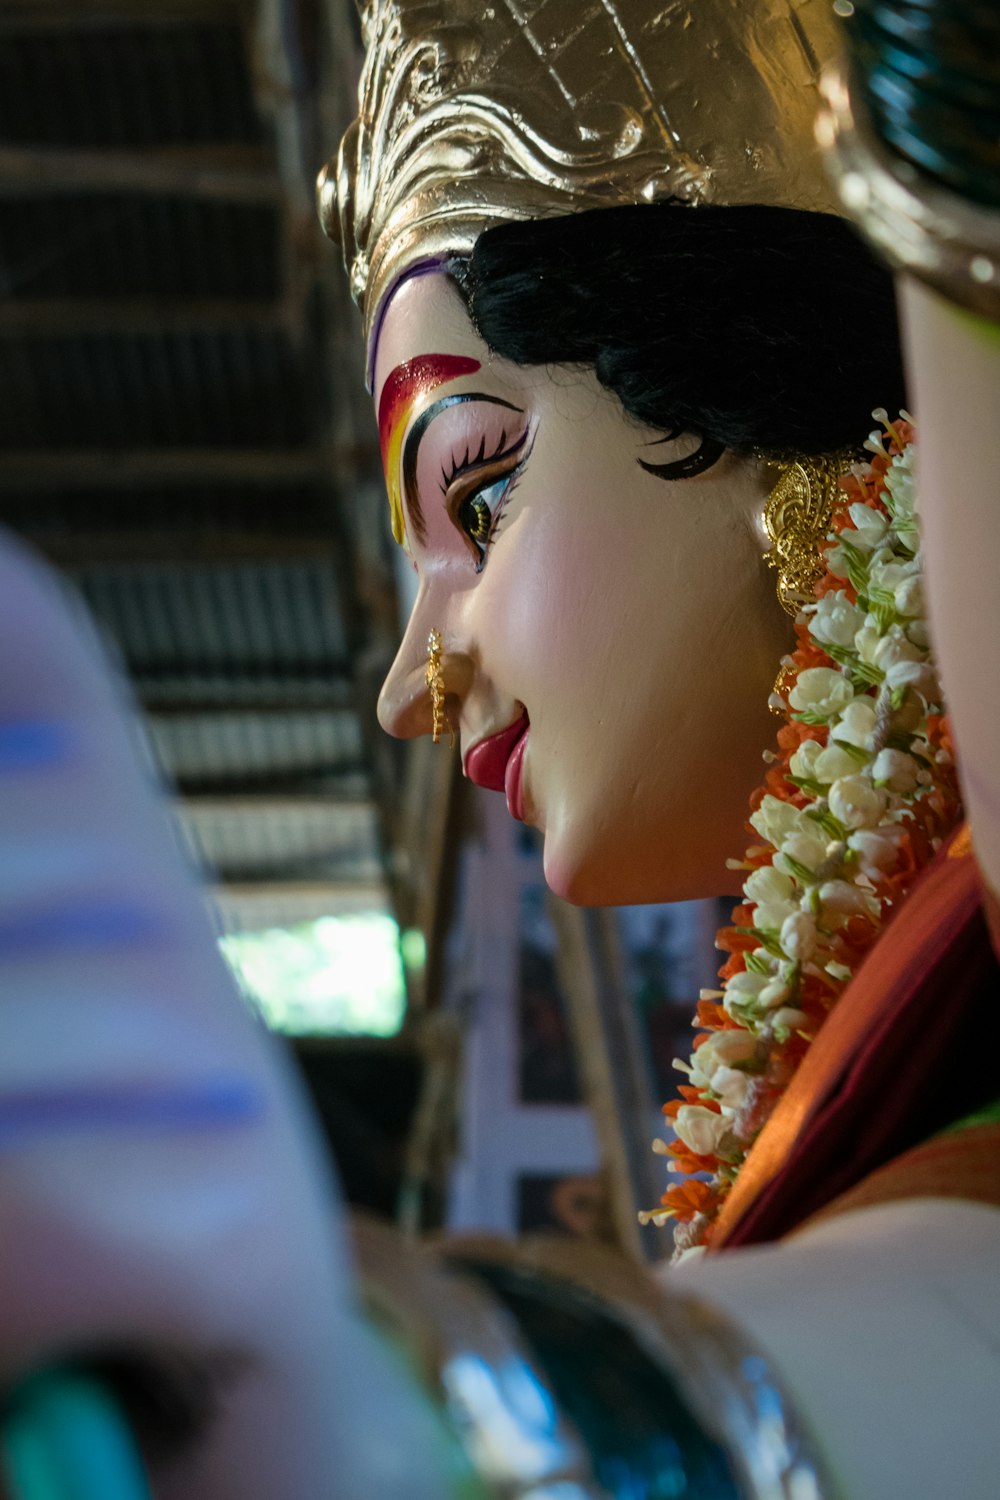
(36, 470)
(324, 810)
(20, 16)
(164, 545)
(309, 892)
(291, 695)
(230, 173)
(45, 317)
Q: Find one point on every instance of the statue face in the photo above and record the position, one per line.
(629, 621)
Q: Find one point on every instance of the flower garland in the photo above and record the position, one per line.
(857, 798)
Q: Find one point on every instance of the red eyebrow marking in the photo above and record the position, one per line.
(402, 389)
(409, 381)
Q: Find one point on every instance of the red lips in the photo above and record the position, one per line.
(495, 763)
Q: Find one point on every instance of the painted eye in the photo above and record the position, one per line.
(478, 519)
(477, 512)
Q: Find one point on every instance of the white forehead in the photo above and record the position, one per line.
(424, 315)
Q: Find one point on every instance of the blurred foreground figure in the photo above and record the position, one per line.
(169, 1232)
(166, 1219)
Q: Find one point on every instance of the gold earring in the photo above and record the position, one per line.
(434, 678)
(797, 520)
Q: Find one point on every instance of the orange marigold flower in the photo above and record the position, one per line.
(710, 1013)
(686, 1199)
(689, 1161)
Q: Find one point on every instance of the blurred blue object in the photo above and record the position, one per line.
(64, 1437)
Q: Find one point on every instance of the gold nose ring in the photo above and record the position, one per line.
(434, 678)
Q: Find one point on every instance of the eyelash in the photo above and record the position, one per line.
(467, 464)
(478, 521)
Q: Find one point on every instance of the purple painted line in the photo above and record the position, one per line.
(217, 1103)
(419, 268)
(102, 924)
(33, 744)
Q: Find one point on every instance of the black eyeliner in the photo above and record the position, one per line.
(513, 480)
(416, 432)
(482, 460)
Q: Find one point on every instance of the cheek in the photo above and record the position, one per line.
(593, 591)
(568, 586)
(539, 602)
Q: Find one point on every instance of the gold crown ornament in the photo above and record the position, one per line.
(476, 112)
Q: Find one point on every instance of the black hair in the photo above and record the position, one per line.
(768, 330)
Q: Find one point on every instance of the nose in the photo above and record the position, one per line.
(405, 709)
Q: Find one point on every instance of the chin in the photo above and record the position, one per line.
(603, 877)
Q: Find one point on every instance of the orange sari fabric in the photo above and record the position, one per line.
(897, 1062)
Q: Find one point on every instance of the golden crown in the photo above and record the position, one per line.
(473, 112)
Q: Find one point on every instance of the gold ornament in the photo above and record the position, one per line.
(914, 222)
(473, 114)
(434, 678)
(797, 519)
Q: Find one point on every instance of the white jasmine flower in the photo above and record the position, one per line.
(890, 574)
(836, 561)
(774, 820)
(834, 762)
(788, 1018)
(803, 761)
(900, 482)
(917, 632)
(910, 596)
(857, 723)
(856, 803)
(808, 849)
(731, 1086)
(916, 674)
(768, 885)
(835, 620)
(743, 991)
(842, 899)
(867, 642)
(870, 527)
(772, 894)
(893, 649)
(770, 915)
(896, 771)
(885, 650)
(721, 1050)
(745, 985)
(874, 442)
(773, 993)
(701, 1129)
(876, 850)
(821, 691)
(799, 937)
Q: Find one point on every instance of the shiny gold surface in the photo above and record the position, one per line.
(797, 518)
(434, 678)
(919, 226)
(473, 112)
